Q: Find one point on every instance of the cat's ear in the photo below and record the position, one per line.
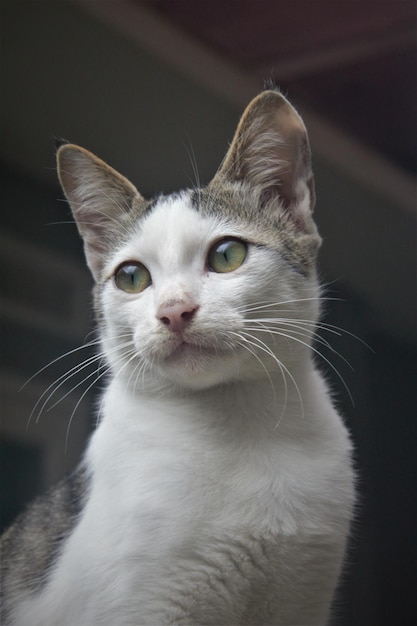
(99, 198)
(270, 151)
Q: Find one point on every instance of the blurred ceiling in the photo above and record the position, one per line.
(79, 68)
(351, 61)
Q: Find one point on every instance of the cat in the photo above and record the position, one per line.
(218, 486)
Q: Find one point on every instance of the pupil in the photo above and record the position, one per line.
(225, 251)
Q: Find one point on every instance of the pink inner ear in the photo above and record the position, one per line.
(300, 222)
(270, 151)
(99, 197)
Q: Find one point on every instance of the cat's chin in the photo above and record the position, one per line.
(197, 367)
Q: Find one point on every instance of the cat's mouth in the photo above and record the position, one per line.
(193, 357)
(195, 361)
(187, 349)
(193, 364)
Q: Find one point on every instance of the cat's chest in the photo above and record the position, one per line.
(179, 508)
(168, 465)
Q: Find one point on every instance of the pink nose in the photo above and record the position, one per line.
(177, 314)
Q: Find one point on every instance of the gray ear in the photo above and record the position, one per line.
(99, 198)
(270, 151)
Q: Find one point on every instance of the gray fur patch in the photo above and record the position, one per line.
(31, 546)
(267, 223)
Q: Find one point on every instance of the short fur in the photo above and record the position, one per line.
(218, 487)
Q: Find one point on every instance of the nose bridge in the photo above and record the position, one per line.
(173, 293)
(176, 289)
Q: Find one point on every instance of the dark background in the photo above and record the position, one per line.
(155, 88)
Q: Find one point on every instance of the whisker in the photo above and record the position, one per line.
(245, 341)
(262, 305)
(329, 363)
(98, 357)
(132, 355)
(59, 358)
(138, 368)
(191, 155)
(54, 386)
(78, 404)
(69, 392)
(61, 380)
(301, 331)
(263, 346)
(329, 328)
(309, 333)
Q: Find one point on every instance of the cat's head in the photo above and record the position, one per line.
(212, 284)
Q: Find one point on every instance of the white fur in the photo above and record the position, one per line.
(219, 495)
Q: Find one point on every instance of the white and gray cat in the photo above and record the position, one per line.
(218, 486)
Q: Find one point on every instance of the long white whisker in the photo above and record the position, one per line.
(139, 367)
(313, 349)
(108, 368)
(191, 155)
(243, 342)
(61, 380)
(79, 402)
(319, 339)
(100, 357)
(263, 305)
(54, 386)
(263, 346)
(59, 358)
(70, 391)
(330, 328)
(301, 331)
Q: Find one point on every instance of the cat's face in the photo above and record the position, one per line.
(184, 295)
(210, 285)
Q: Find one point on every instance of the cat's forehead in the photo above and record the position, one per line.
(174, 228)
(178, 216)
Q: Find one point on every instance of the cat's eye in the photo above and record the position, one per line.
(227, 255)
(132, 277)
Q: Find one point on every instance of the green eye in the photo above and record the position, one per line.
(227, 255)
(132, 277)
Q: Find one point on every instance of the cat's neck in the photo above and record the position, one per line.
(274, 399)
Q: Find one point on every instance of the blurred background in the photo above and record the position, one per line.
(156, 89)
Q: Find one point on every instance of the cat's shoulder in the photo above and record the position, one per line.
(30, 546)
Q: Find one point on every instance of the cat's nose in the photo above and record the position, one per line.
(177, 314)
